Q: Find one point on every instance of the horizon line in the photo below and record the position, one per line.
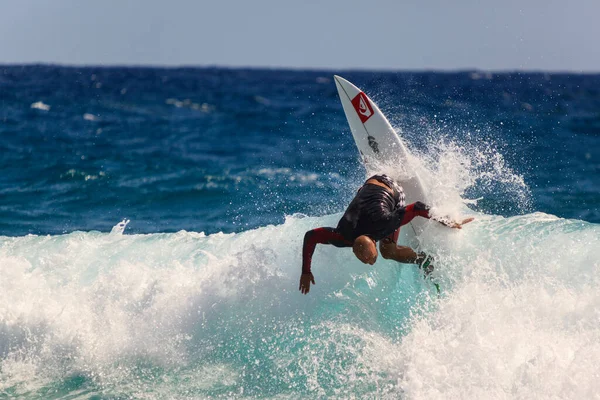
(299, 69)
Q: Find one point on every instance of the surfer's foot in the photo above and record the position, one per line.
(425, 262)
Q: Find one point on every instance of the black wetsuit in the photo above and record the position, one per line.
(375, 212)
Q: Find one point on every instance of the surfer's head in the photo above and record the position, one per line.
(365, 250)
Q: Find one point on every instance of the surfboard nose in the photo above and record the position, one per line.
(339, 80)
(345, 87)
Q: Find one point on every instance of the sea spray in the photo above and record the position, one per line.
(520, 320)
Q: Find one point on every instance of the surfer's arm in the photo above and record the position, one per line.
(422, 210)
(311, 238)
(417, 209)
(454, 224)
(322, 236)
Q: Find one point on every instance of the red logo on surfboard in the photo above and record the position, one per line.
(362, 106)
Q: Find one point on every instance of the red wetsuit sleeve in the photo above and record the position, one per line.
(323, 236)
(413, 210)
(408, 213)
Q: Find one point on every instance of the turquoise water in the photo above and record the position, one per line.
(185, 315)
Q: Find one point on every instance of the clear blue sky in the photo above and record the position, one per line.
(556, 35)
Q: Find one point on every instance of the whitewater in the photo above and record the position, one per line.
(189, 315)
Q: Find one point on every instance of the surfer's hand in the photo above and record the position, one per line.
(305, 281)
(458, 225)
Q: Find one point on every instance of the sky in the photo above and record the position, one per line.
(549, 35)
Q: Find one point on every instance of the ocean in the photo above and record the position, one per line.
(221, 171)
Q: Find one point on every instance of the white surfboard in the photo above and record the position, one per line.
(380, 146)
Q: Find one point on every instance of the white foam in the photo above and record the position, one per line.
(531, 339)
(95, 299)
(119, 228)
(517, 318)
(38, 105)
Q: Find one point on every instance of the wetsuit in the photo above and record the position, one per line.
(375, 212)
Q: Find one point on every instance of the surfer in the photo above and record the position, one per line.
(375, 214)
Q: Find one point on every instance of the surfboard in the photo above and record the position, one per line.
(381, 148)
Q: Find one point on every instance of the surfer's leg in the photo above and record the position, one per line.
(391, 251)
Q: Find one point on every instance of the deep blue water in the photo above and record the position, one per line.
(209, 149)
(221, 171)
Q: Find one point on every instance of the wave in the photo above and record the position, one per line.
(193, 315)
(190, 315)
